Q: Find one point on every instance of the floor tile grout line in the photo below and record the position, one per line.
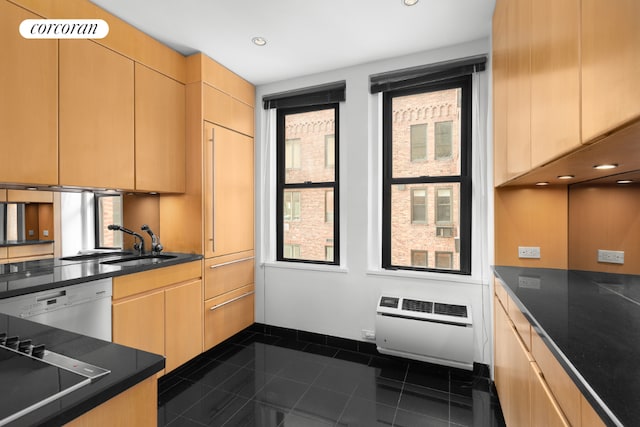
(404, 381)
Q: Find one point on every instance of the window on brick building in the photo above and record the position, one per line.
(418, 138)
(307, 183)
(419, 258)
(412, 117)
(443, 140)
(328, 253)
(419, 206)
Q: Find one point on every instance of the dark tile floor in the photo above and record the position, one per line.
(255, 379)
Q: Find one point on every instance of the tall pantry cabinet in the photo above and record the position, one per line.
(215, 216)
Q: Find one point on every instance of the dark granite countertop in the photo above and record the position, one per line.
(26, 277)
(591, 322)
(6, 243)
(128, 367)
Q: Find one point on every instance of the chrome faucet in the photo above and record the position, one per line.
(137, 246)
(156, 247)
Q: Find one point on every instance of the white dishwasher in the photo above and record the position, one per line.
(84, 308)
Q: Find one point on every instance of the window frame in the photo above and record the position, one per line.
(464, 83)
(282, 186)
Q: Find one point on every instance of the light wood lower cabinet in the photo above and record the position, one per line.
(137, 406)
(26, 253)
(227, 273)
(548, 412)
(227, 315)
(160, 311)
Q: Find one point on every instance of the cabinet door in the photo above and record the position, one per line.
(610, 63)
(518, 87)
(29, 106)
(555, 79)
(228, 191)
(501, 354)
(159, 132)
(545, 411)
(96, 116)
(227, 315)
(183, 317)
(139, 322)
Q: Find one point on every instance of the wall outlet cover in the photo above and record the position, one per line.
(529, 252)
(368, 335)
(610, 257)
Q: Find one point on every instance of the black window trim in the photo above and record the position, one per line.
(281, 186)
(464, 179)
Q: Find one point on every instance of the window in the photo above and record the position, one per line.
(418, 142)
(419, 258)
(291, 205)
(306, 185)
(444, 177)
(443, 206)
(443, 140)
(419, 206)
(108, 210)
(328, 253)
(444, 260)
(328, 206)
(292, 154)
(329, 151)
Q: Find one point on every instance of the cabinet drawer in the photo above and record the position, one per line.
(227, 315)
(560, 384)
(30, 250)
(144, 281)
(3, 253)
(224, 275)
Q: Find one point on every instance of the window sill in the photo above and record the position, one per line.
(304, 266)
(427, 275)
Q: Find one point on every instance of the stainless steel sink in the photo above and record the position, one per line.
(95, 255)
(140, 260)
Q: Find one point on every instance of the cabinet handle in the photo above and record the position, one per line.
(231, 262)
(213, 186)
(222, 304)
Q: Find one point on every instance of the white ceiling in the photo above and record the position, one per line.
(304, 37)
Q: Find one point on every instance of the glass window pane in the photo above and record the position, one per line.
(438, 115)
(419, 258)
(328, 250)
(410, 235)
(310, 232)
(109, 212)
(443, 206)
(329, 151)
(444, 260)
(306, 159)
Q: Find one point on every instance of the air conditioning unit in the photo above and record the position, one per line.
(429, 331)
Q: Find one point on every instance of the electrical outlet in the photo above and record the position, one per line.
(529, 252)
(31, 233)
(611, 257)
(45, 233)
(368, 335)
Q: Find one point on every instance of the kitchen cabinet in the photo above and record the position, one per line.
(610, 58)
(223, 109)
(29, 252)
(96, 116)
(228, 191)
(160, 311)
(29, 107)
(534, 389)
(227, 315)
(500, 75)
(159, 132)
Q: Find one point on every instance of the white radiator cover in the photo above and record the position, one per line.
(429, 331)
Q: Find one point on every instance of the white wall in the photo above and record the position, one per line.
(341, 301)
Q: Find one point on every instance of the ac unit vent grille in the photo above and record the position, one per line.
(450, 310)
(415, 305)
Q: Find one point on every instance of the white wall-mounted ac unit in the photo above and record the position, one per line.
(429, 331)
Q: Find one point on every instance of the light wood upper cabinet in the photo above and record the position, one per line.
(228, 194)
(159, 132)
(555, 79)
(29, 105)
(610, 63)
(220, 108)
(500, 112)
(96, 116)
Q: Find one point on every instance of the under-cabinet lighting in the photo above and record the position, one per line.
(606, 166)
(566, 176)
(153, 193)
(542, 184)
(409, 2)
(259, 41)
(624, 181)
(32, 188)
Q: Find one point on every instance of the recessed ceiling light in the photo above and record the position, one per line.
(409, 2)
(606, 166)
(566, 176)
(259, 41)
(541, 184)
(624, 181)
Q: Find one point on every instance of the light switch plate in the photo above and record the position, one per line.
(529, 252)
(611, 257)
